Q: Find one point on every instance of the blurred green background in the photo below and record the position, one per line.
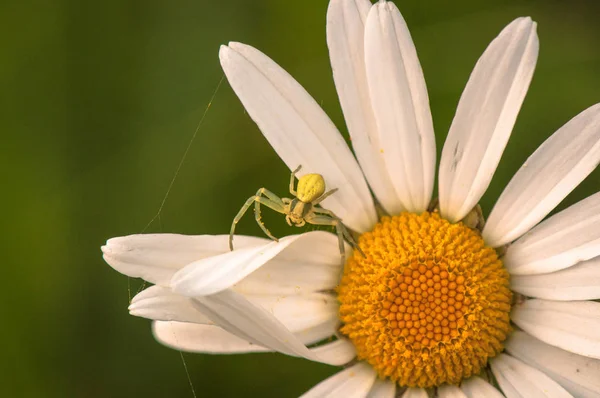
(99, 102)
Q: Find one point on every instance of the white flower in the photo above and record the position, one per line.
(269, 296)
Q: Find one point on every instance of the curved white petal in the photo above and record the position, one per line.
(311, 263)
(217, 273)
(449, 391)
(573, 326)
(251, 322)
(299, 131)
(302, 312)
(485, 116)
(579, 282)
(311, 317)
(355, 381)
(550, 174)
(383, 389)
(156, 257)
(577, 374)
(476, 387)
(161, 304)
(519, 380)
(345, 39)
(191, 337)
(318, 332)
(401, 106)
(338, 353)
(559, 242)
(415, 392)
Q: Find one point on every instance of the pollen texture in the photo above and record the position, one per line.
(429, 302)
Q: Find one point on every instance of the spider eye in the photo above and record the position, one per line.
(310, 187)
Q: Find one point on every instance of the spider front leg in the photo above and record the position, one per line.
(328, 218)
(287, 202)
(323, 197)
(340, 227)
(270, 200)
(293, 180)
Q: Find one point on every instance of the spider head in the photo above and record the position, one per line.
(295, 221)
(297, 211)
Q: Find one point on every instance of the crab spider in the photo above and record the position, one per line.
(300, 210)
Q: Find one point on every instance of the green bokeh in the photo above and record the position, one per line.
(100, 100)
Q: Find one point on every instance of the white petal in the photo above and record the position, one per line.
(156, 257)
(161, 304)
(319, 332)
(550, 174)
(312, 317)
(415, 393)
(401, 106)
(449, 391)
(573, 326)
(579, 282)
(476, 387)
(383, 389)
(237, 315)
(338, 353)
(301, 312)
(190, 337)
(311, 263)
(559, 242)
(519, 380)
(485, 116)
(217, 273)
(299, 131)
(355, 381)
(345, 39)
(577, 374)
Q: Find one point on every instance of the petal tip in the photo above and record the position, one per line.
(523, 20)
(224, 53)
(236, 45)
(107, 258)
(132, 307)
(179, 281)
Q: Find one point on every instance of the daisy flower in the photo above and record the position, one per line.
(441, 303)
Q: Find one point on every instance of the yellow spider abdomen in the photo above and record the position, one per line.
(310, 187)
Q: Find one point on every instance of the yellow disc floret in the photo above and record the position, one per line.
(428, 304)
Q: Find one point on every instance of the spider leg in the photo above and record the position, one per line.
(342, 232)
(287, 202)
(340, 227)
(269, 199)
(293, 180)
(318, 219)
(324, 196)
(272, 201)
(352, 241)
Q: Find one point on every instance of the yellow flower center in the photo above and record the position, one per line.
(428, 304)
